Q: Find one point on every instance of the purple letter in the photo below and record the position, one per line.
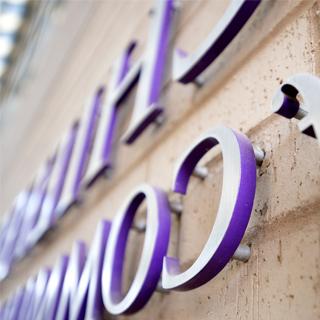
(50, 198)
(49, 304)
(186, 68)
(147, 107)
(81, 154)
(154, 249)
(237, 195)
(81, 293)
(286, 103)
(38, 293)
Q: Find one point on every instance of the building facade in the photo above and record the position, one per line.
(74, 57)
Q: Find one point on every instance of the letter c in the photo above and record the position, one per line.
(237, 196)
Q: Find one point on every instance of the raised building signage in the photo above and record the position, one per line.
(89, 282)
(236, 201)
(287, 104)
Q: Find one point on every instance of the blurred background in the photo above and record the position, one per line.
(36, 38)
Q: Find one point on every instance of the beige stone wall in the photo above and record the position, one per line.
(282, 278)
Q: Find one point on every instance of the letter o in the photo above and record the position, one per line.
(237, 196)
(154, 249)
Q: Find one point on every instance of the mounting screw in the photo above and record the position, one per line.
(176, 207)
(259, 155)
(140, 226)
(200, 172)
(242, 253)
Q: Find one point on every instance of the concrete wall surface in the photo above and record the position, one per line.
(282, 278)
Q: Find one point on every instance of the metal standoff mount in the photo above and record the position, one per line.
(286, 104)
(199, 81)
(176, 207)
(108, 172)
(200, 172)
(242, 253)
(160, 288)
(177, 5)
(160, 120)
(140, 226)
(259, 155)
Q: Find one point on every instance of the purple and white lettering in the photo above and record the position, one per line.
(48, 214)
(49, 304)
(27, 298)
(101, 158)
(154, 249)
(89, 283)
(11, 233)
(71, 280)
(286, 104)
(33, 209)
(237, 195)
(81, 296)
(81, 154)
(38, 293)
(14, 305)
(186, 68)
(147, 107)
